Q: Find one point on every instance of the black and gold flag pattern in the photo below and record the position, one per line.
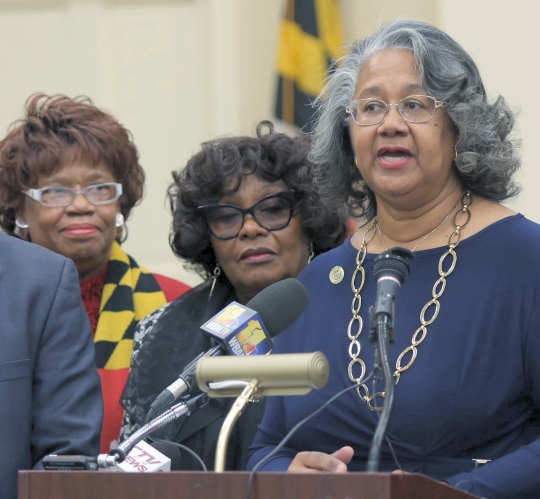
(311, 40)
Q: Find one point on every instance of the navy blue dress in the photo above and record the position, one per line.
(473, 391)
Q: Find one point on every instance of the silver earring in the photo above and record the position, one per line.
(21, 223)
(455, 153)
(119, 221)
(311, 252)
(217, 273)
(21, 228)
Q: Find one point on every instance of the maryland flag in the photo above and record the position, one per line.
(311, 40)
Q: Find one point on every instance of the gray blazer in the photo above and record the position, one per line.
(50, 393)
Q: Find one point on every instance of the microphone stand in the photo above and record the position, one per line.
(185, 382)
(236, 411)
(381, 335)
(118, 454)
(390, 269)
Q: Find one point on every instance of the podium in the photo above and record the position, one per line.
(230, 485)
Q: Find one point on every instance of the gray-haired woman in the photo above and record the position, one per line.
(407, 136)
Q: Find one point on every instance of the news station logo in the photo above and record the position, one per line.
(241, 329)
(143, 458)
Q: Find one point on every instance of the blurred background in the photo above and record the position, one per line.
(179, 72)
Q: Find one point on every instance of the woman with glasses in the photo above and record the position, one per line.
(406, 135)
(69, 177)
(245, 215)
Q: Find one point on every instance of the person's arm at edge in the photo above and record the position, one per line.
(516, 474)
(67, 403)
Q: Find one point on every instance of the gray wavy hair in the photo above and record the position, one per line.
(487, 156)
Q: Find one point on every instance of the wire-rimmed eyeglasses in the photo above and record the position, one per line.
(60, 196)
(413, 108)
(273, 212)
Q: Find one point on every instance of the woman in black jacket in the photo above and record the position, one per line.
(245, 215)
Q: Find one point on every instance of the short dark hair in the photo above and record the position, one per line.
(217, 170)
(53, 128)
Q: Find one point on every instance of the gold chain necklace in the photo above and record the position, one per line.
(420, 334)
(423, 238)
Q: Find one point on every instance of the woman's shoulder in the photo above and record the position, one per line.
(341, 256)
(173, 317)
(333, 255)
(171, 288)
(491, 217)
(521, 225)
(514, 231)
(191, 303)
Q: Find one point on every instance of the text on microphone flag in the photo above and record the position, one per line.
(240, 329)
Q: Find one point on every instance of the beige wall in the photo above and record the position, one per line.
(362, 17)
(502, 38)
(177, 72)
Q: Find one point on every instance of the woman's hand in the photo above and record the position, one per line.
(317, 462)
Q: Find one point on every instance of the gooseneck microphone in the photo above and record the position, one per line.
(237, 331)
(390, 270)
(119, 453)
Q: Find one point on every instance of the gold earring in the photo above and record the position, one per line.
(217, 273)
(311, 252)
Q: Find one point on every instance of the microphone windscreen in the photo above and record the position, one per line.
(280, 304)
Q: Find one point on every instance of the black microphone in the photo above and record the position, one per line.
(278, 306)
(390, 269)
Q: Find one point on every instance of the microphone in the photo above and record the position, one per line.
(248, 376)
(143, 457)
(238, 330)
(390, 269)
(279, 374)
(119, 453)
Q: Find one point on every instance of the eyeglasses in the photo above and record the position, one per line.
(58, 196)
(273, 212)
(414, 109)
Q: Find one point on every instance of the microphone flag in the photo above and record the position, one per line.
(240, 330)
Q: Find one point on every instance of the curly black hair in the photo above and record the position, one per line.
(217, 170)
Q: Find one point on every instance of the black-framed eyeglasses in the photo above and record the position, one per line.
(413, 108)
(273, 212)
(59, 196)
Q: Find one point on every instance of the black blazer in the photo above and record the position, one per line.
(165, 342)
(50, 393)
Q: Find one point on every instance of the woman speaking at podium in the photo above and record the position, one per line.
(407, 136)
